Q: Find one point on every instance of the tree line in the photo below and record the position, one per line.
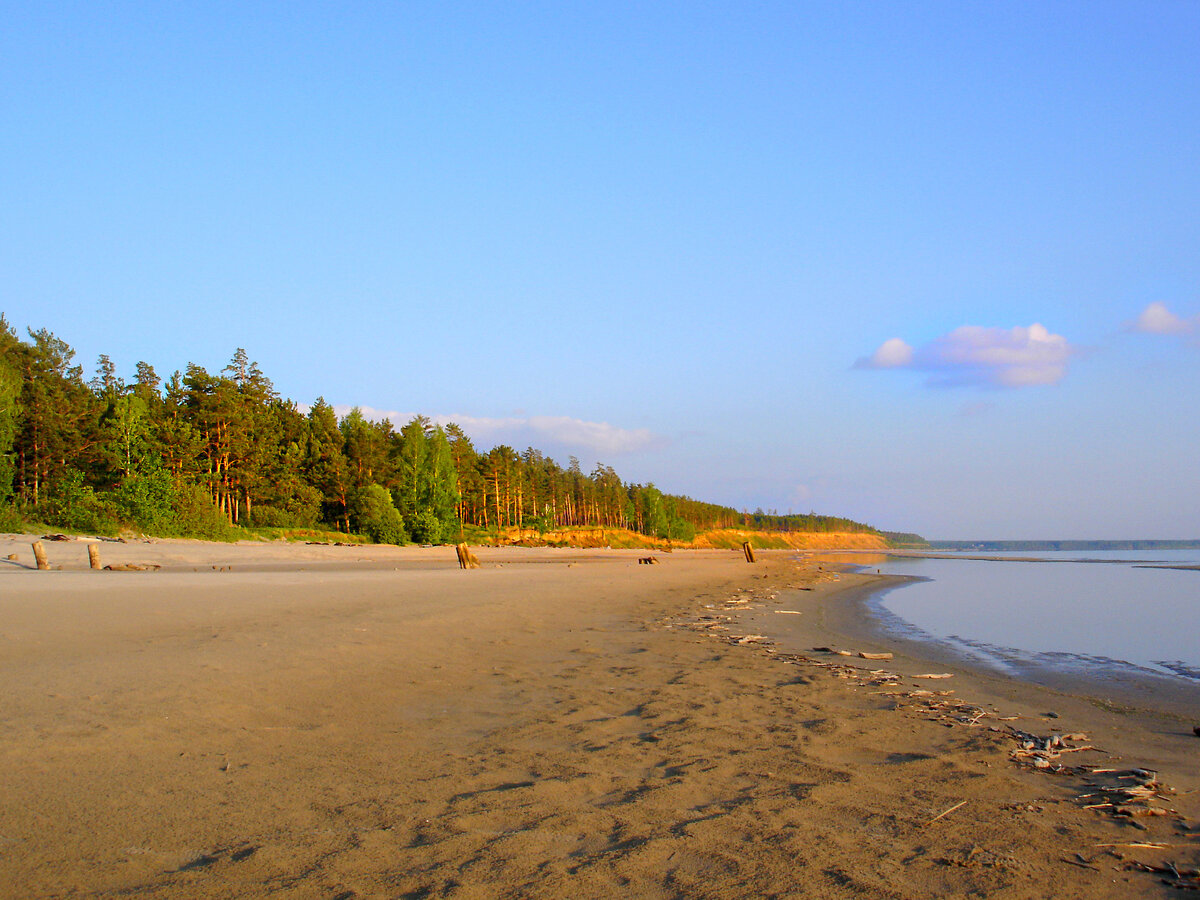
(205, 454)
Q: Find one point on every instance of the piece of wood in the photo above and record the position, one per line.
(94, 556)
(947, 812)
(39, 553)
(466, 559)
(866, 655)
(748, 550)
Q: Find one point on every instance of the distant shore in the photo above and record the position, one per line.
(258, 719)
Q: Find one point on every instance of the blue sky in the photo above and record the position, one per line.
(672, 239)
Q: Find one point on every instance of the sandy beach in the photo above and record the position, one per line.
(259, 720)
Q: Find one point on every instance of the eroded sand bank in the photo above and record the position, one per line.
(373, 722)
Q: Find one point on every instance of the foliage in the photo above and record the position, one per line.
(199, 453)
(905, 539)
(196, 516)
(11, 521)
(148, 502)
(73, 504)
(426, 527)
(374, 514)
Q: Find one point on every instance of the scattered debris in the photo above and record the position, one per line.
(1129, 795)
(1184, 878)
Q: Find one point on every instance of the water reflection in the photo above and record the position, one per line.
(1107, 610)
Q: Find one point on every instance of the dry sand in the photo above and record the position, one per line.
(351, 722)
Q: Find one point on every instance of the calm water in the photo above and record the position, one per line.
(1061, 612)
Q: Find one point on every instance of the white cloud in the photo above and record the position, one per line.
(891, 354)
(1157, 319)
(974, 355)
(598, 438)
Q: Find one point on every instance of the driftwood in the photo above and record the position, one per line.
(39, 553)
(748, 550)
(947, 812)
(94, 556)
(866, 655)
(466, 559)
(647, 560)
(133, 567)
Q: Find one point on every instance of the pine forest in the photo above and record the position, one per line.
(213, 455)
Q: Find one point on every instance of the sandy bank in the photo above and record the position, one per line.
(372, 722)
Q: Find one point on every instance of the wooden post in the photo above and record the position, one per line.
(749, 551)
(94, 555)
(466, 559)
(39, 554)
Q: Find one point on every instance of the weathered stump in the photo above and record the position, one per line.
(39, 553)
(466, 559)
(94, 555)
(748, 550)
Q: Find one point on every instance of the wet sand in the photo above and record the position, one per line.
(271, 720)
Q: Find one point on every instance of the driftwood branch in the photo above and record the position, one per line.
(947, 812)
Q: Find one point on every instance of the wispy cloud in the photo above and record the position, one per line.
(982, 357)
(545, 432)
(1157, 319)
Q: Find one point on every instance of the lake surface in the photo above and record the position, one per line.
(1066, 613)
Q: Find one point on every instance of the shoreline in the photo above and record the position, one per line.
(1112, 681)
(259, 720)
(1148, 717)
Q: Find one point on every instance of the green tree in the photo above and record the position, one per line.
(443, 497)
(374, 514)
(325, 464)
(125, 428)
(366, 446)
(59, 417)
(10, 405)
(412, 468)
